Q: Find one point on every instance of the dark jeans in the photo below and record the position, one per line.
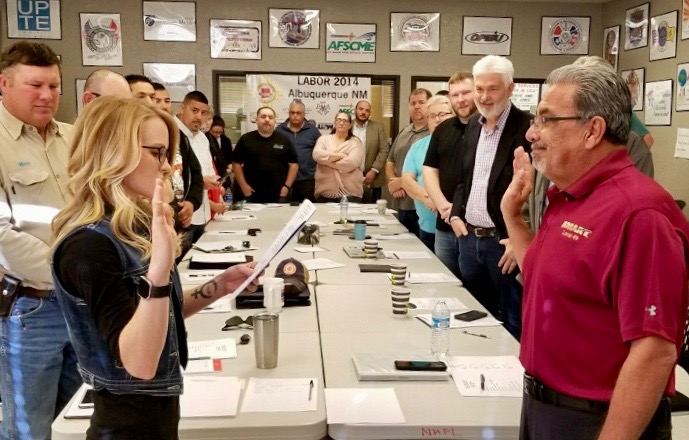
(428, 239)
(303, 189)
(409, 220)
(500, 294)
(542, 421)
(447, 250)
(376, 194)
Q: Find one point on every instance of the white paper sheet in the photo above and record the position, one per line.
(203, 366)
(488, 321)
(429, 303)
(408, 255)
(199, 276)
(223, 305)
(503, 376)
(388, 211)
(682, 143)
(280, 395)
(210, 396)
(232, 216)
(253, 207)
(213, 349)
(363, 405)
(227, 233)
(308, 249)
(74, 412)
(228, 257)
(321, 263)
(431, 278)
(397, 236)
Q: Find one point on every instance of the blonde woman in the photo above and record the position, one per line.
(114, 273)
(339, 163)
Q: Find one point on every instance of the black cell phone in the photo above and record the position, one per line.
(471, 315)
(421, 365)
(87, 400)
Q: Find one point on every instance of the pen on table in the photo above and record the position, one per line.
(480, 335)
(206, 275)
(310, 389)
(200, 358)
(483, 382)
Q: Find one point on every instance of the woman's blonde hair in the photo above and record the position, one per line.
(105, 149)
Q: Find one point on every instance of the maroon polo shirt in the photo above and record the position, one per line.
(608, 266)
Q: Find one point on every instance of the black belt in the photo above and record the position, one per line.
(482, 232)
(542, 393)
(33, 293)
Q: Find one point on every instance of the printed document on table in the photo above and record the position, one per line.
(488, 321)
(407, 255)
(321, 263)
(210, 396)
(303, 214)
(429, 303)
(281, 395)
(397, 236)
(431, 278)
(231, 257)
(503, 376)
(307, 249)
(226, 233)
(363, 405)
(214, 349)
(210, 246)
(231, 216)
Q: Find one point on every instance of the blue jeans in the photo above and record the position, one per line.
(38, 368)
(447, 250)
(410, 220)
(500, 294)
(427, 238)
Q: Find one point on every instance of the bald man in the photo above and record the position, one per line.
(104, 82)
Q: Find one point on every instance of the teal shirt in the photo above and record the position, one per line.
(413, 163)
(637, 126)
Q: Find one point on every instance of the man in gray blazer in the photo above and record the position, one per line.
(375, 141)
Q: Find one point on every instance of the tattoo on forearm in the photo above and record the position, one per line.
(207, 291)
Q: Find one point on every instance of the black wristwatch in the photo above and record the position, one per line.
(289, 188)
(146, 290)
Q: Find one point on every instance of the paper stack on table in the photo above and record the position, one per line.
(281, 395)
(501, 376)
(488, 321)
(363, 405)
(213, 349)
(321, 263)
(210, 396)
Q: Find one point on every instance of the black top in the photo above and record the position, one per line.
(266, 161)
(513, 136)
(98, 280)
(443, 151)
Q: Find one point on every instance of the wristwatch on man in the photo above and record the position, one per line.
(146, 290)
(289, 188)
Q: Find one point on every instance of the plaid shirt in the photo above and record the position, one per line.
(477, 205)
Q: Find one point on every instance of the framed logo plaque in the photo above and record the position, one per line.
(414, 32)
(565, 35)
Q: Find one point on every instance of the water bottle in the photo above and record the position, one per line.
(344, 206)
(440, 338)
(227, 199)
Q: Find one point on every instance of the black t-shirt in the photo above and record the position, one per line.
(266, 162)
(443, 155)
(89, 267)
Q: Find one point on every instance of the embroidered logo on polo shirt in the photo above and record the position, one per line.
(278, 146)
(651, 310)
(574, 231)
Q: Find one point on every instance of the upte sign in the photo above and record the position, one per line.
(33, 15)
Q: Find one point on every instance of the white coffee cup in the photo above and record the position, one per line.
(382, 206)
(273, 294)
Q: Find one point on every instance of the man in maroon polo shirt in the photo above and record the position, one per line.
(605, 278)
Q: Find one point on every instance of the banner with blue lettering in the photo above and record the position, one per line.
(34, 19)
(323, 96)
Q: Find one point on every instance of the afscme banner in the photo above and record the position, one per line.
(323, 96)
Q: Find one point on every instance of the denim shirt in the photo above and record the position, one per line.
(97, 365)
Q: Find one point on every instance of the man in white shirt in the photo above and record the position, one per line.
(192, 114)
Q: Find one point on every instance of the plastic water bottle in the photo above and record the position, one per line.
(344, 207)
(227, 199)
(440, 339)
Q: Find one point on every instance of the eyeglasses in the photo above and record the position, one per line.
(236, 322)
(162, 152)
(540, 120)
(438, 115)
(341, 121)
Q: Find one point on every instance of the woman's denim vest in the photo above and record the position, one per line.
(97, 366)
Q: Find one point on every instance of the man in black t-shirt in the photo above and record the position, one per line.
(441, 169)
(265, 163)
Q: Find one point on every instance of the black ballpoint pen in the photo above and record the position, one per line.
(310, 389)
(483, 382)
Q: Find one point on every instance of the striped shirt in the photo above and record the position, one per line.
(477, 205)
